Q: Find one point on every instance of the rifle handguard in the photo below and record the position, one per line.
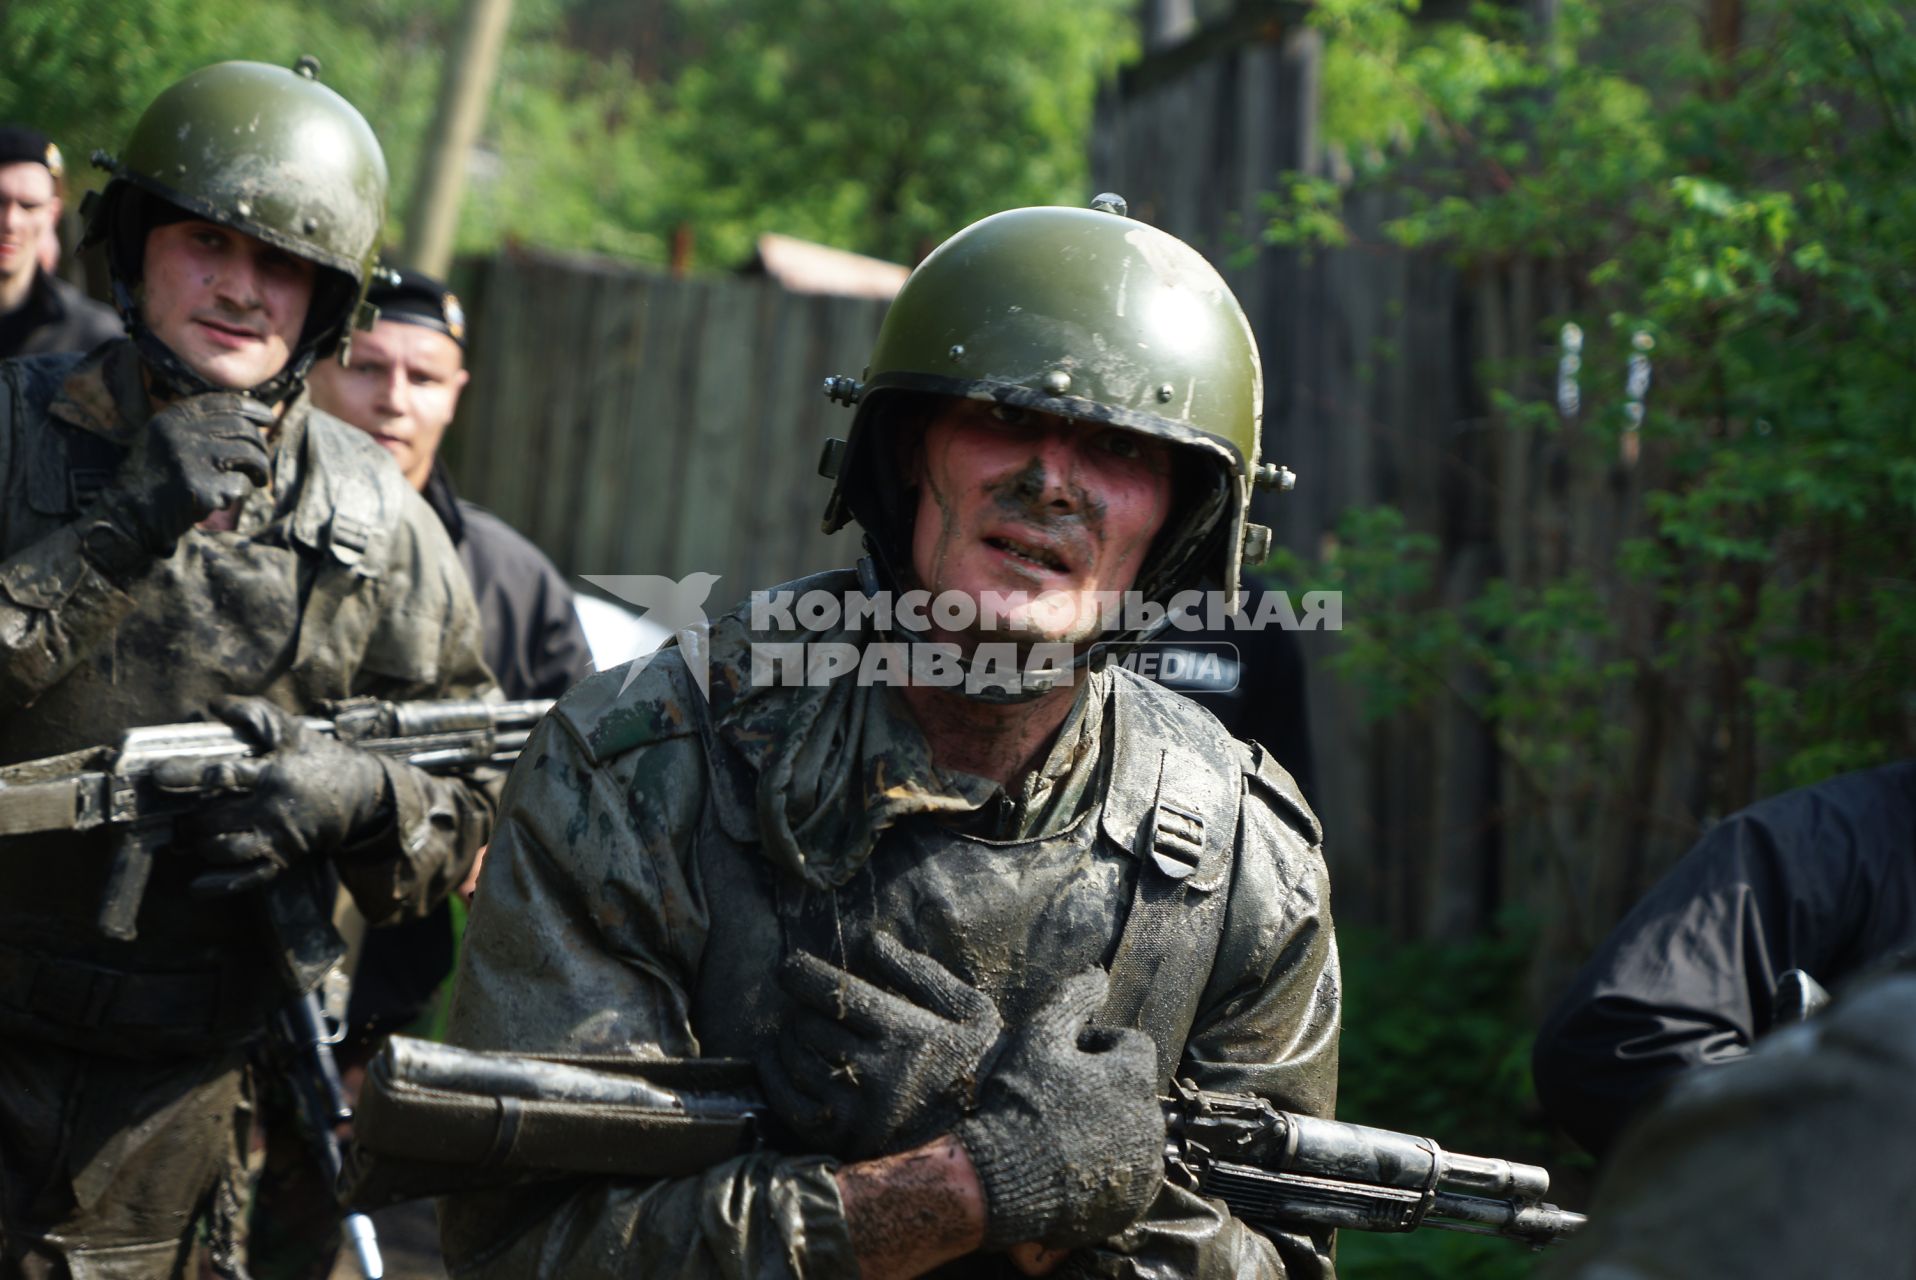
(433, 1119)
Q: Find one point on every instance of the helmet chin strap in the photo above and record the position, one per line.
(1019, 684)
(176, 380)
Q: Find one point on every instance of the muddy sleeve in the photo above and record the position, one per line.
(586, 936)
(424, 645)
(55, 605)
(1268, 1026)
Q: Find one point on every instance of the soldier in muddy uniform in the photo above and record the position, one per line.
(182, 536)
(968, 932)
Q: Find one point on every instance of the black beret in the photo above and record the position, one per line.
(22, 145)
(410, 297)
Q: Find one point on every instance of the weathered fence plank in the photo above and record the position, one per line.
(632, 423)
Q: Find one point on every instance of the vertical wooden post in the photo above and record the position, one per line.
(433, 220)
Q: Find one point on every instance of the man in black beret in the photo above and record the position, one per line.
(39, 312)
(402, 388)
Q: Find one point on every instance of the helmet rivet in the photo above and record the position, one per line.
(1271, 475)
(957, 351)
(307, 66)
(1057, 382)
(842, 389)
(244, 208)
(1110, 202)
(1164, 392)
(309, 226)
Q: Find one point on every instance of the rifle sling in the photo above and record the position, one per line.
(1184, 846)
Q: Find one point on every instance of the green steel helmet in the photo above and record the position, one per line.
(1090, 315)
(269, 152)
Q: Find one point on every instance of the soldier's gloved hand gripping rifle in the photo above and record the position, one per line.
(435, 1119)
(139, 787)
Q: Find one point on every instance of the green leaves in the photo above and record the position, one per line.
(1436, 1042)
(1748, 209)
(882, 126)
(874, 125)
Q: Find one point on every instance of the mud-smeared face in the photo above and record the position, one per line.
(1039, 512)
(230, 306)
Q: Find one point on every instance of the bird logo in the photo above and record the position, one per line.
(678, 605)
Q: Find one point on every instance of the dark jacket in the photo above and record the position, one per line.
(536, 648)
(1796, 1163)
(1821, 879)
(57, 317)
(533, 641)
(122, 1059)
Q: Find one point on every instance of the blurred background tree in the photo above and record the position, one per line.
(1723, 188)
(874, 125)
(1730, 200)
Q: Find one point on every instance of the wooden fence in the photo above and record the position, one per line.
(629, 422)
(1379, 368)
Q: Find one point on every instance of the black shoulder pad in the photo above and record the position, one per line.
(1274, 781)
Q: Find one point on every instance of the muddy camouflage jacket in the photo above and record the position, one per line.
(657, 857)
(336, 581)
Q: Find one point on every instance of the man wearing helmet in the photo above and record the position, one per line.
(182, 535)
(902, 903)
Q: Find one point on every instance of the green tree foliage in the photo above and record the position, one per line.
(883, 125)
(1744, 214)
(875, 125)
(85, 77)
(1436, 1042)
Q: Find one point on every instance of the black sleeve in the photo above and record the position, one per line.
(556, 654)
(533, 640)
(1822, 879)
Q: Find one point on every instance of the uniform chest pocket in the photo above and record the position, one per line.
(403, 629)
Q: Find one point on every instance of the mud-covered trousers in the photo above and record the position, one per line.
(116, 1169)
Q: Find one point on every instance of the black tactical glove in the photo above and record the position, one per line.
(305, 796)
(859, 1071)
(198, 456)
(1069, 1136)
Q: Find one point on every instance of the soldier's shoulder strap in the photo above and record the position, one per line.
(1175, 789)
(1274, 783)
(351, 497)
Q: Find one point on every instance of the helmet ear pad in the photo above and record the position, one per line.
(128, 217)
(330, 313)
(880, 475)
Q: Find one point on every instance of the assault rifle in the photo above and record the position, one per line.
(1280, 1169)
(302, 1044)
(113, 786)
(435, 1119)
